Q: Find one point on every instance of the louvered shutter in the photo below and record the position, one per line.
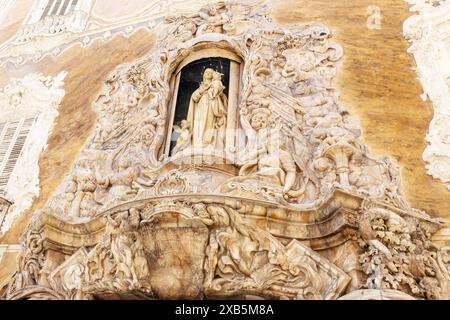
(59, 7)
(12, 140)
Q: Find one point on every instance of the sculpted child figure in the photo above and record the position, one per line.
(218, 103)
(184, 138)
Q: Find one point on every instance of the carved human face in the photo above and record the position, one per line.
(274, 142)
(123, 164)
(259, 121)
(212, 11)
(208, 74)
(217, 76)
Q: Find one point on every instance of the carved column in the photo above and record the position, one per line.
(233, 94)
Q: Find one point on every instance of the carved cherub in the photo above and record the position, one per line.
(125, 182)
(184, 138)
(215, 19)
(80, 189)
(127, 250)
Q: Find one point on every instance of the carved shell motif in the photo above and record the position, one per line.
(172, 183)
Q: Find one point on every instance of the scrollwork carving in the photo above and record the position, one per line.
(30, 263)
(243, 259)
(172, 183)
(398, 254)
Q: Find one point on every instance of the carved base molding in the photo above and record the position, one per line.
(189, 246)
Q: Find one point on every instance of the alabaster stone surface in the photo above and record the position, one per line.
(35, 97)
(295, 208)
(428, 31)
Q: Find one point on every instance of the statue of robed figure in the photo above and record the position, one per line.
(206, 119)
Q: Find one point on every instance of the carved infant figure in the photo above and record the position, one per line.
(184, 136)
(80, 191)
(121, 182)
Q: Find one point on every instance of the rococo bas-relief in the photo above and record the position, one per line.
(267, 190)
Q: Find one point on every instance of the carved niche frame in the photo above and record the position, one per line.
(209, 50)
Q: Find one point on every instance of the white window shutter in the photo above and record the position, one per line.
(12, 140)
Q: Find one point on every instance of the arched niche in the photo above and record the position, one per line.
(185, 79)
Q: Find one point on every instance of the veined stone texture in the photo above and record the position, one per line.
(428, 31)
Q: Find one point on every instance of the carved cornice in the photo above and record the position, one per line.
(325, 226)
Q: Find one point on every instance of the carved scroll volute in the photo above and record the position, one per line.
(30, 264)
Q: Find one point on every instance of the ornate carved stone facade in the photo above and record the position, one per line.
(428, 32)
(41, 22)
(295, 208)
(51, 35)
(28, 109)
